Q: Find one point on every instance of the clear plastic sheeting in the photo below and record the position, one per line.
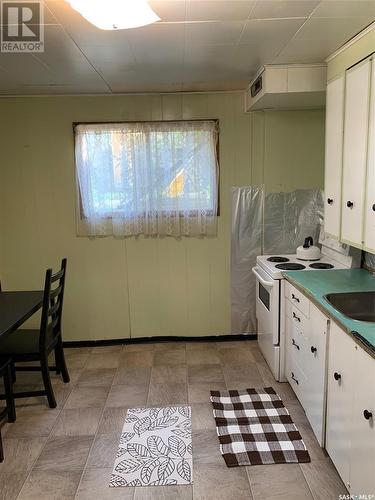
(247, 215)
(276, 223)
(289, 218)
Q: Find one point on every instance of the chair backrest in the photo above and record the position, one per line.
(50, 326)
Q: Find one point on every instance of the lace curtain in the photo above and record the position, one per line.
(154, 178)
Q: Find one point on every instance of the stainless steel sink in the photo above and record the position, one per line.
(354, 305)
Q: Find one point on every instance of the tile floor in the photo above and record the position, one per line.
(68, 453)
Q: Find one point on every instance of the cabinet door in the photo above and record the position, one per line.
(370, 181)
(357, 94)
(333, 155)
(315, 369)
(362, 467)
(341, 359)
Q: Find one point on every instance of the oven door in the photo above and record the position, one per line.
(267, 312)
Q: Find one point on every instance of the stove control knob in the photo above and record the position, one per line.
(373, 207)
(349, 204)
(329, 201)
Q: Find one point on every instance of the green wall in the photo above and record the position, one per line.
(145, 286)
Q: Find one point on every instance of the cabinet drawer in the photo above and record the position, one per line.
(299, 351)
(316, 345)
(297, 298)
(299, 323)
(297, 380)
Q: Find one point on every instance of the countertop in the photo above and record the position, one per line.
(316, 284)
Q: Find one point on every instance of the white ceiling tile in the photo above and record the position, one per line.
(268, 37)
(218, 10)
(107, 58)
(207, 75)
(158, 44)
(214, 33)
(23, 68)
(158, 33)
(268, 9)
(345, 8)
(303, 52)
(140, 81)
(65, 61)
(255, 57)
(58, 45)
(211, 63)
(54, 89)
(211, 85)
(331, 31)
(169, 10)
(145, 87)
(214, 58)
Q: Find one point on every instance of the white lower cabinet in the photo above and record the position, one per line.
(350, 434)
(339, 399)
(334, 379)
(362, 464)
(306, 339)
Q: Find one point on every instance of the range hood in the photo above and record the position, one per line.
(291, 86)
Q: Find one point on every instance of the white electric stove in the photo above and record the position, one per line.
(270, 298)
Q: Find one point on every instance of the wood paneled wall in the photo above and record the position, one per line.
(145, 286)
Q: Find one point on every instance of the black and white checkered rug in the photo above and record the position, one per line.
(255, 428)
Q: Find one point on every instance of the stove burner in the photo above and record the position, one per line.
(290, 267)
(278, 259)
(321, 265)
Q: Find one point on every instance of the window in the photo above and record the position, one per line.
(147, 178)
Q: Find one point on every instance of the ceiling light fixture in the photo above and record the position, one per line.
(115, 14)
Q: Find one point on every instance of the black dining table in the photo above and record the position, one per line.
(16, 308)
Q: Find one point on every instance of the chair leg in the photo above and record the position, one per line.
(14, 376)
(8, 387)
(1, 449)
(47, 381)
(62, 364)
(57, 361)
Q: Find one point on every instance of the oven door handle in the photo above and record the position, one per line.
(264, 282)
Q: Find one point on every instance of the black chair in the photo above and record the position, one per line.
(9, 411)
(36, 345)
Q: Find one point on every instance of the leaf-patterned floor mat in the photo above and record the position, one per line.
(155, 448)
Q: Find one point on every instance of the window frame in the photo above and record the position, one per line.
(84, 217)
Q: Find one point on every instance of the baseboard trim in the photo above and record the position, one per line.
(148, 340)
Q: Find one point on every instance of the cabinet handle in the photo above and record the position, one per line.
(295, 344)
(329, 201)
(373, 207)
(296, 317)
(313, 349)
(337, 376)
(367, 414)
(349, 204)
(295, 298)
(294, 378)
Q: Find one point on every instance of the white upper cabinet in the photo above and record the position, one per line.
(369, 213)
(357, 95)
(333, 155)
